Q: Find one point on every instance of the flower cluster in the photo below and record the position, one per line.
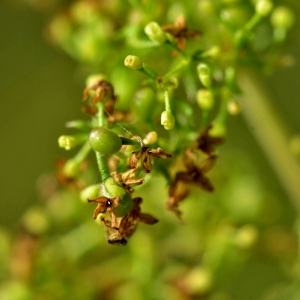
(125, 158)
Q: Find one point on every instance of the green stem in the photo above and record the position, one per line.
(100, 157)
(222, 115)
(101, 113)
(167, 101)
(205, 118)
(149, 72)
(177, 49)
(83, 153)
(271, 133)
(126, 141)
(178, 68)
(102, 167)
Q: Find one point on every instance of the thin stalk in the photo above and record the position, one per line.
(167, 101)
(83, 153)
(177, 49)
(271, 133)
(100, 157)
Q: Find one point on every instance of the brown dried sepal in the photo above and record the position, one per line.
(144, 154)
(106, 204)
(207, 143)
(181, 33)
(102, 89)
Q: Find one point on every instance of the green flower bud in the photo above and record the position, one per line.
(92, 79)
(283, 18)
(206, 7)
(218, 130)
(213, 52)
(35, 220)
(104, 141)
(263, 7)
(205, 99)
(246, 236)
(155, 33)
(198, 281)
(167, 120)
(89, 192)
(144, 103)
(71, 168)
(114, 189)
(233, 107)
(150, 138)
(71, 141)
(235, 16)
(204, 73)
(133, 62)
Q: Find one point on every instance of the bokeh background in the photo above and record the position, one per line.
(41, 88)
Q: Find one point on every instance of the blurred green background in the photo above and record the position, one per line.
(41, 88)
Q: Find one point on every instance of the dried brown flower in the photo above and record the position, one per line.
(103, 90)
(181, 33)
(207, 143)
(145, 154)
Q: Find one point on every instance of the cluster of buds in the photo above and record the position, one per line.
(216, 70)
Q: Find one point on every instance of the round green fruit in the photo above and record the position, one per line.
(104, 140)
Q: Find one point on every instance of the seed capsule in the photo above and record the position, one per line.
(104, 141)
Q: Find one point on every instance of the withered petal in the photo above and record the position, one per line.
(146, 219)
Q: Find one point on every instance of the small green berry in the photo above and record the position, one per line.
(155, 33)
(283, 17)
(133, 62)
(104, 140)
(89, 192)
(205, 99)
(114, 189)
(167, 120)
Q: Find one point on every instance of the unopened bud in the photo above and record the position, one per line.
(234, 107)
(150, 138)
(218, 130)
(205, 99)
(155, 33)
(246, 236)
(263, 7)
(213, 52)
(71, 168)
(198, 281)
(204, 73)
(133, 62)
(167, 120)
(206, 7)
(89, 192)
(69, 142)
(35, 220)
(283, 17)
